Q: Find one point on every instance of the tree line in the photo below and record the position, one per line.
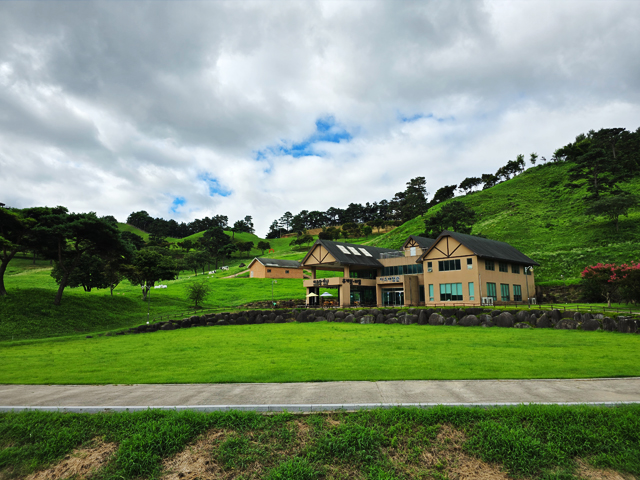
(90, 252)
(170, 228)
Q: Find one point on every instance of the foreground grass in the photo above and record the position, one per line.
(533, 441)
(321, 351)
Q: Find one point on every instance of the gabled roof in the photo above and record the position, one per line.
(423, 242)
(343, 258)
(485, 248)
(276, 262)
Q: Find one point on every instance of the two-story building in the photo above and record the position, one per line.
(466, 268)
(458, 268)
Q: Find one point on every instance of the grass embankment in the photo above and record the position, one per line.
(537, 214)
(549, 442)
(321, 351)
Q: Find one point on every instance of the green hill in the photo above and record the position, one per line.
(537, 214)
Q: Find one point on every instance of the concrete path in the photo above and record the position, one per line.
(319, 396)
(236, 274)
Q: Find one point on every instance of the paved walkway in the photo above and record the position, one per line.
(318, 396)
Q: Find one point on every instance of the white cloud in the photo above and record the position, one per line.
(122, 106)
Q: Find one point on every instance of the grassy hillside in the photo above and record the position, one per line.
(537, 214)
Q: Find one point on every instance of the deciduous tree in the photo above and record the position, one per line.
(197, 292)
(148, 267)
(262, 246)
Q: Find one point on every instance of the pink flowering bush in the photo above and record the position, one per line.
(610, 281)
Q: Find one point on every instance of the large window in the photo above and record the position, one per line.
(431, 297)
(448, 265)
(517, 293)
(503, 267)
(412, 269)
(515, 268)
(450, 292)
(489, 265)
(491, 291)
(527, 271)
(504, 292)
(471, 292)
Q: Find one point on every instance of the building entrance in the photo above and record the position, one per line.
(392, 297)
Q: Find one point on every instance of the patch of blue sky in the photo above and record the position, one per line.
(177, 203)
(419, 116)
(327, 130)
(214, 185)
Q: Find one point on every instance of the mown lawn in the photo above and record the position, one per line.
(321, 351)
(546, 442)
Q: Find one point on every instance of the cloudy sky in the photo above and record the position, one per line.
(191, 109)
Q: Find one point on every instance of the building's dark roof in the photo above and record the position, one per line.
(485, 248)
(276, 262)
(351, 258)
(423, 242)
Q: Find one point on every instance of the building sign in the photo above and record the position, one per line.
(352, 281)
(322, 281)
(389, 279)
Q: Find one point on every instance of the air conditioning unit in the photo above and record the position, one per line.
(487, 301)
(533, 301)
(429, 270)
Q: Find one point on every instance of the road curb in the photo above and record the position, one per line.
(292, 408)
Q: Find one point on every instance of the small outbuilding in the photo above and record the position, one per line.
(275, 268)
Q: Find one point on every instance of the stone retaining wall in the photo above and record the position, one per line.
(464, 317)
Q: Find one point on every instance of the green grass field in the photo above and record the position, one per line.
(293, 352)
(539, 442)
(28, 310)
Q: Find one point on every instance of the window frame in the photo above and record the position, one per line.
(503, 267)
(490, 265)
(492, 286)
(517, 297)
(451, 265)
(449, 289)
(515, 268)
(507, 297)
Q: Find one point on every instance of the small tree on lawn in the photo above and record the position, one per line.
(197, 292)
